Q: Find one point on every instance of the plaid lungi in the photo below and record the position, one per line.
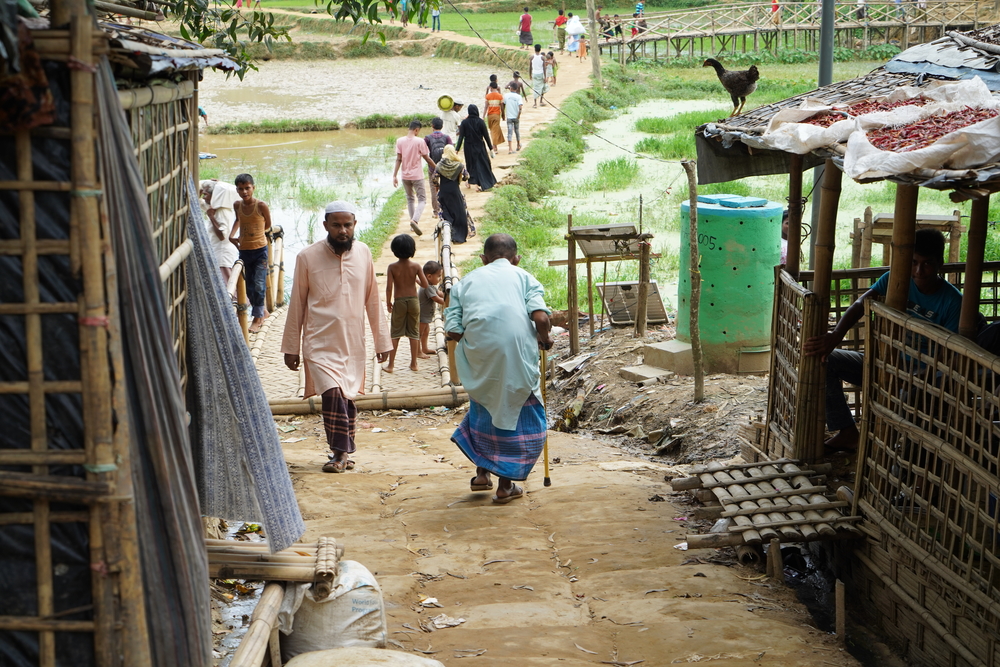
(339, 415)
(510, 454)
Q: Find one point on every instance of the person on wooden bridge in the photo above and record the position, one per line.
(333, 289)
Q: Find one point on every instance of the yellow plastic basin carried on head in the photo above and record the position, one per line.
(445, 102)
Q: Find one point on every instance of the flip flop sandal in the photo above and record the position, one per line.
(334, 466)
(516, 493)
(415, 228)
(349, 465)
(479, 487)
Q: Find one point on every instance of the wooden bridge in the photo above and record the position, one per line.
(755, 27)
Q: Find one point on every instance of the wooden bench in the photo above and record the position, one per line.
(877, 228)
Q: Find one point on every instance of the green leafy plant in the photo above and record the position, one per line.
(223, 26)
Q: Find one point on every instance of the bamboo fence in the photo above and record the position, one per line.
(72, 479)
(928, 487)
(163, 122)
(753, 26)
(795, 419)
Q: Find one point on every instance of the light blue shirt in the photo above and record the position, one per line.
(497, 358)
(513, 103)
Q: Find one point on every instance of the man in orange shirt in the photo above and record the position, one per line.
(495, 114)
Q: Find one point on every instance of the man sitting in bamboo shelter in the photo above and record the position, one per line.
(499, 318)
(931, 298)
(334, 287)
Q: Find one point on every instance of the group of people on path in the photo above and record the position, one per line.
(496, 314)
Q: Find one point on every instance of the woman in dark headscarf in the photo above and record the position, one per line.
(474, 134)
(449, 172)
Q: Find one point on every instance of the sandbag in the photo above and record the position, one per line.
(361, 657)
(352, 616)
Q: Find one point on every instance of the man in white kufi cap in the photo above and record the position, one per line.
(334, 286)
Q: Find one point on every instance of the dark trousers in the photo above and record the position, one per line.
(841, 366)
(435, 23)
(255, 276)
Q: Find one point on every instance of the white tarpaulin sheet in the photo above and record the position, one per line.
(969, 147)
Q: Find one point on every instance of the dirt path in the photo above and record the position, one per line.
(587, 563)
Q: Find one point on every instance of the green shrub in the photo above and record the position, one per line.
(385, 223)
(372, 48)
(275, 126)
(616, 174)
(879, 52)
(383, 120)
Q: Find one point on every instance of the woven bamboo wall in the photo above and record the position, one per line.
(73, 593)
(795, 308)
(928, 488)
(165, 144)
(846, 286)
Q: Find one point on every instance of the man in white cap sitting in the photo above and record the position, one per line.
(217, 204)
(334, 286)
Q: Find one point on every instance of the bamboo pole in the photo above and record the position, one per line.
(405, 400)
(262, 571)
(694, 263)
(794, 259)
(94, 366)
(269, 276)
(826, 233)
(904, 227)
(595, 40)
(573, 306)
(968, 320)
(640, 315)
(115, 8)
(865, 259)
(280, 297)
(253, 648)
(590, 292)
(731, 503)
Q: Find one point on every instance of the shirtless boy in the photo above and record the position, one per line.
(403, 276)
(253, 219)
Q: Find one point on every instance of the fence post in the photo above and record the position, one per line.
(237, 288)
(269, 283)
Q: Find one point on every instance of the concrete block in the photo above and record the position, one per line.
(641, 373)
(672, 355)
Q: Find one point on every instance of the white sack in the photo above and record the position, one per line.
(353, 614)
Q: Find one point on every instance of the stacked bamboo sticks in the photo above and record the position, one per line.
(769, 500)
(253, 560)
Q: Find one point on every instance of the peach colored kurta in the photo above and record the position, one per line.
(330, 295)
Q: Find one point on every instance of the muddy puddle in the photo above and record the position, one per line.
(341, 90)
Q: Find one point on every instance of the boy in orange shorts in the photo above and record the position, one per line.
(403, 276)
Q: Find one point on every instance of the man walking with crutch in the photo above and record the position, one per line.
(498, 316)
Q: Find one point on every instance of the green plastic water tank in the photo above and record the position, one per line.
(739, 242)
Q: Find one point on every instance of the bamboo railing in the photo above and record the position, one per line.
(722, 23)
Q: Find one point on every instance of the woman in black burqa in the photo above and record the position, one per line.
(449, 172)
(474, 134)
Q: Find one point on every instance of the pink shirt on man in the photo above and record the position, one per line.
(411, 149)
